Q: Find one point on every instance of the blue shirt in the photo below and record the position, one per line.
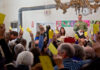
(72, 65)
(41, 41)
(77, 59)
(36, 38)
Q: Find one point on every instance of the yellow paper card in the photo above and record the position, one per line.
(85, 34)
(53, 49)
(20, 26)
(56, 31)
(46, 63)
(95, 28)
(28, 30)
(76, 36)
(10, 28)
(91, 33)
(2, 17)
(50, 34)
(22, 29)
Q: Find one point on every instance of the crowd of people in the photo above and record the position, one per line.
(83, 54)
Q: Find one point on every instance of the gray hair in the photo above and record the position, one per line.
(25, 58)
(90, 53)
(11, 45)
(18, 48)
(79, 51)
(68, 48)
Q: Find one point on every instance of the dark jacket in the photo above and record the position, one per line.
(6, 51)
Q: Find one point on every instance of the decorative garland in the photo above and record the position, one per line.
(77, 4)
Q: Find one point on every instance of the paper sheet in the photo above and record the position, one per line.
(46, 63)
(53, 49)
(2, 17)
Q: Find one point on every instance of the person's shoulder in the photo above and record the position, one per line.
(84, 62)
(55, 67)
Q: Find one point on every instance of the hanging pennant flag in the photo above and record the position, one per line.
(2, 17)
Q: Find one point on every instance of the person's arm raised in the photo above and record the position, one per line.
(20, 34)
(59, 61)
(32, 38)
(2, 31)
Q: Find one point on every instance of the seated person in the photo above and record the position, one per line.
(67, 51)
(62, 34)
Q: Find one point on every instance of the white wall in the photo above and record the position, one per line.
(11, 7)
(1, 6)
(39, 16)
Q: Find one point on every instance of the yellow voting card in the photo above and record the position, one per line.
(2, 17)
(76, 36)
(95, 28)
(91, 33)
(28, 29)
(53, 49)
(56, 31)
(10, 28)
(46, 63)
(21, 27)
(50, 34)
(85, 34)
